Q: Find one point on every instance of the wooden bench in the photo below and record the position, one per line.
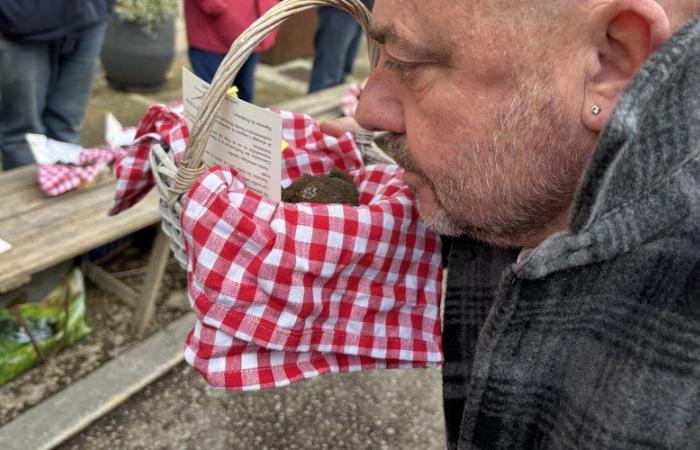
(321, 105)
(45, 231)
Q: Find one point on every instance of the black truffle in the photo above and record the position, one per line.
(336, 187)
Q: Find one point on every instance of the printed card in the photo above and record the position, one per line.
(244, 136)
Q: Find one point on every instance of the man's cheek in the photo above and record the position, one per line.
(426, 83)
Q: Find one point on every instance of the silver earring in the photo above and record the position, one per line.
(596, 110)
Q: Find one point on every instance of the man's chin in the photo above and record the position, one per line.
(413, 180)
(437, 220)
(430, 210)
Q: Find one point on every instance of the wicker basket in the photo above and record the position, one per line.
(172, 180)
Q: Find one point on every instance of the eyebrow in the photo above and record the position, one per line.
(388, 35)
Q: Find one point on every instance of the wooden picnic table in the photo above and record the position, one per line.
(46, 231)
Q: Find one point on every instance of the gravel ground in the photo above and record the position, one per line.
(380, 409)
(110, 320)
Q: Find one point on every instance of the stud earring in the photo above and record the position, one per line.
(596, 110)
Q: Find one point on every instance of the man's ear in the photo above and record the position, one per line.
(625, 34)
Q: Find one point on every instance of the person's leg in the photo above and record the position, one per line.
(24, 79)
(334, 36)
(205, 64)
(351, 54)
(245, 79)
(70, 90)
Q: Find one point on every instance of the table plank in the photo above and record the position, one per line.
(13, 180)
(46, 243)
(75, 207)
(29, 197)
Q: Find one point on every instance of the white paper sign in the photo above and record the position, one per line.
(49, 151)
(115, 134)
(4, 246)
(244, 136)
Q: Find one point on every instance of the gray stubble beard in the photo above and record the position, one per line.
(522, 213)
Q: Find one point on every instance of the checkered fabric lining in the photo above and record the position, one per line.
(55, 179)
(284, 292)
(133, 170)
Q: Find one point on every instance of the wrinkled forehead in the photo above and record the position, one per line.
(444, 25)
(414, 17)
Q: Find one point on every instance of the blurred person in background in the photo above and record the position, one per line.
(336, 41)
(48, 56)
(212, 26)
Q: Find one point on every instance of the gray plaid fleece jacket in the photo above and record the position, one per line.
(593, 341)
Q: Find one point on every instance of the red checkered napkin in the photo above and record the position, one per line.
(286, 291)
(55, 179)
(133, 170)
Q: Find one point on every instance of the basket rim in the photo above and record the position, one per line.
(192, 165)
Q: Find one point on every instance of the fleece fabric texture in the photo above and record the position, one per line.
(593, 341)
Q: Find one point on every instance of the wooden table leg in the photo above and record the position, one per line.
(157, 261)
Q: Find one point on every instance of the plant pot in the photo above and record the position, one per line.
(134, 60)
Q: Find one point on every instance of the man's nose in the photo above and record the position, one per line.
(379, 109)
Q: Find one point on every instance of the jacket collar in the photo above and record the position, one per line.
(646, 159)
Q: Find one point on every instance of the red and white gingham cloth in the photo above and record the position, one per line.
(55, 179)
(133, 170)
(284, 292)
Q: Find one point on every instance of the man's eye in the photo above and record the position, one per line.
(404, 70)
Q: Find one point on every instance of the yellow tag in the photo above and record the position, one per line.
(285, 144)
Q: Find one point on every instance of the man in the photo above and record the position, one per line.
(48, 57)
(564, 136)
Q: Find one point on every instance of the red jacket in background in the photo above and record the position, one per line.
(213, 25)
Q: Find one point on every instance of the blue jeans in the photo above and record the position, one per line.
(336, 41)
(205, 64)
(45, 88)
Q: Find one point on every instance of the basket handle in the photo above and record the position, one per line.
(192, 165)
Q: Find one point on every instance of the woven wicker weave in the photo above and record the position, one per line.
(172, 181)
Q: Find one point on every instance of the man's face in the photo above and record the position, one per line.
(485, 126)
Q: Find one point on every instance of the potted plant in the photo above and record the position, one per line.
(140, 44)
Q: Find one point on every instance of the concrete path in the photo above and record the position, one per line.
(380, 409)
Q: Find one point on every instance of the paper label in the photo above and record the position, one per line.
(49, 151)
(244, 136)
(4, 246)
(39, 146)
(115, 134)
